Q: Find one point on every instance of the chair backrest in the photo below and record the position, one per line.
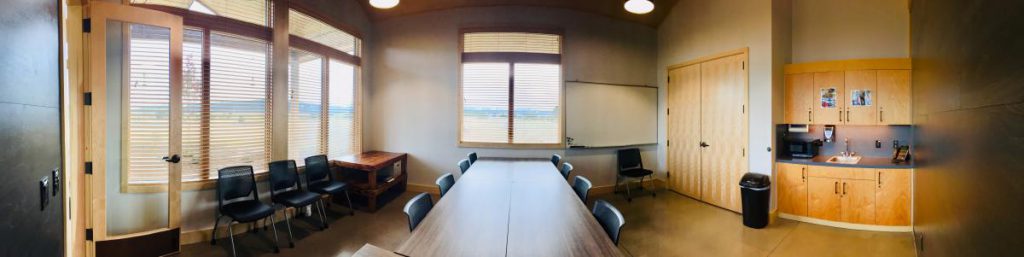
(417, 208)
(445, 182)
(630, 159)
(472, 157)
(582, 187)
(555, 158)
(234, 183)
(464, 165)
(284, 175)
(610, 218)
(566, 169)
(317, 169)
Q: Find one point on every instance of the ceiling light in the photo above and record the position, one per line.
(383, 4)
(638, 6)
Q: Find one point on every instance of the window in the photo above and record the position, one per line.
(306, 27)
(511, 89)
(249, 11)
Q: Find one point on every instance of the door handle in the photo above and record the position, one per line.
(703, 144)
(172, 159)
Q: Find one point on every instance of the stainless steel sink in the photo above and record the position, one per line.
(844, 159)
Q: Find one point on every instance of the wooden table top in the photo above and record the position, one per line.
(368, 161)
(369, 250)
(510, 207)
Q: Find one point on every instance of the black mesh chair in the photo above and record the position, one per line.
(472, 158)
(445, 182)
(582, 187)
(555, 158)
(286, 190)
(464, 166)
(234, 186)
(320, 180)
(610, 218)
(565, 170)
(631, 167)
(417, 208)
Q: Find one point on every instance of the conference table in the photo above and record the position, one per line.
(509, 207)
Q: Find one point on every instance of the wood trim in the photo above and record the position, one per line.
(848, 65)
(847, 225)
(702, 59)
(512, 57)
(300, 7)
(314, 47)
(512, 28)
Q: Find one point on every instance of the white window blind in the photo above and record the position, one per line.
(521, 42)
(537, 96)
(304, 26)
(343, 123)
(239, 106)
(251, 11)
(193, 152)
(485, 103)
(148, 105)
(305, 102)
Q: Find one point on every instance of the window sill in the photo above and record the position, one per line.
(510, 146)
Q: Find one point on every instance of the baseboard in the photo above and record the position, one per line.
(204, 235)
(773, 216)
(847, 225)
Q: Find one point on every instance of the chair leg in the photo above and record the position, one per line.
(351, 208)
(213, 237)
(288, 224)
(320, 213)
(231, 236)
(629, 194)
(273, 223)
(654, 187)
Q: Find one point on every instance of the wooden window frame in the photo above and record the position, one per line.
(512, 58)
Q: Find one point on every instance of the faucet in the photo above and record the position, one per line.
(847, 153)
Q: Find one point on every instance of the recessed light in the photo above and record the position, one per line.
(639, 6)
(383, 4)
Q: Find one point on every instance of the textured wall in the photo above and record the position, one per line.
(969, 111)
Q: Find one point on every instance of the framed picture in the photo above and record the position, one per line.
(860, 98)
(828, 97)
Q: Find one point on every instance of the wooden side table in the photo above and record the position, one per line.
(372, 182)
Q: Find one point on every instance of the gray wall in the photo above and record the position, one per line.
(413, 102)
(825, 30)
(969, 110)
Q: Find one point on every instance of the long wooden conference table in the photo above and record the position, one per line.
(509, 207)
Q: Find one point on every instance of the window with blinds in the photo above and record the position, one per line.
(305, 105)
(304, 26)
(343, 123)
(251, 11)
(239, 122)
(511, 89)
(146, 138)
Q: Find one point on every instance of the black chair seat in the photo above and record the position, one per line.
(636, 172)
(247, 211)
(328, 187)
(295, 198)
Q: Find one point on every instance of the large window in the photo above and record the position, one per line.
(511, 89)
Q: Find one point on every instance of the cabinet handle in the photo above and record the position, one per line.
(879, 179)
(836, 187)
(840, 115)
(809, 116)
(844, 188)
(803, 174)
(881, 115)
(847, 115)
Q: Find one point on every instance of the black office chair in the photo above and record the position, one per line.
(320, 180)
(464, 166)
(631, 166)
(286, 190)
(472, 158)
(565, 170)
(610, 218)
(234, 186)
(582, 187)
(417, 208)
(445, 182)
(555, 158)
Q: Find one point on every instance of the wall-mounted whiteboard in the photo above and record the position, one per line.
(602, 115)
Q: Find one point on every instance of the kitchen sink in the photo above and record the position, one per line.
(844, 159)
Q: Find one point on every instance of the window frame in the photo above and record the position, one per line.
(512, 58)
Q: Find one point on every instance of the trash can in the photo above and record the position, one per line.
(756, 194)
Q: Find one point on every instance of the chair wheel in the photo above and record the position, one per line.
(291, 244)
(213, 241)
(277, 249)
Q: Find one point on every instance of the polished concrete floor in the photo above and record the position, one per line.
(666, 225)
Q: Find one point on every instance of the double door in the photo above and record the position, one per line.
(707, 129)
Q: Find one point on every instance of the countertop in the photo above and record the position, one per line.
(865, 162)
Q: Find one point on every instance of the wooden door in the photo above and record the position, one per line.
(723, 129)
(684, 130)
(792, 188)
(894, 97)
(827, 97)
(858, 201)
(861, 97)
(823, 198)
(892, 197)
(799, 96)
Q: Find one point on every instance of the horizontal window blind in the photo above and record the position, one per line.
(304, 26)
(251, 11)
(537, 103)
(305, 101)
(193, 152)
(521, 42)
(343, 122)
(148, 105)
(485, 106)
(239, 106)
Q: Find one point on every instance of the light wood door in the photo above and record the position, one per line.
(799, 98)
(894, 97)
(827, 96)
(684, 105)
(858, 201)
(823, 198)
(724, 130)
(892, 197)
(792, 188)
(861, 97)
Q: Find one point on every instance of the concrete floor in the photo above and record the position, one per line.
(668, 225)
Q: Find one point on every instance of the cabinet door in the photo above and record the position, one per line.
(827, 97)
(858, 201)
(684, 130)
(861, 106)
(792, 189)
(823, 199)
(799, 96)
(894, 97)
(892, 196)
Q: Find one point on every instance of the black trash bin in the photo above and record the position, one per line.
(756, 194)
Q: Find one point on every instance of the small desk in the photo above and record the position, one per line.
(363, 172)
(510, 207)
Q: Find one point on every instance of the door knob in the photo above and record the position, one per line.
(172, 159)
(703, 144)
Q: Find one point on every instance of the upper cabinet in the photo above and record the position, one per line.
(853, 92)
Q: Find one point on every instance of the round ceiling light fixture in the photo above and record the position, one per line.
(383, 4)
(639, 6)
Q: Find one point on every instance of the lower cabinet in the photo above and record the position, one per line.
(858, 201)
(823, 199)
(851, 195)
(792, 187)
(892, 197)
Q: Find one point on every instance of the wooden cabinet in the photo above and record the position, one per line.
(799, 98)
(860, 102)
(792, 189)
(827, 95)
(892, 196)
(823, 198)
(858, 201)
(894, 97)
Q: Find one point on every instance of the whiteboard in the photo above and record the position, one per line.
(602, 115)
